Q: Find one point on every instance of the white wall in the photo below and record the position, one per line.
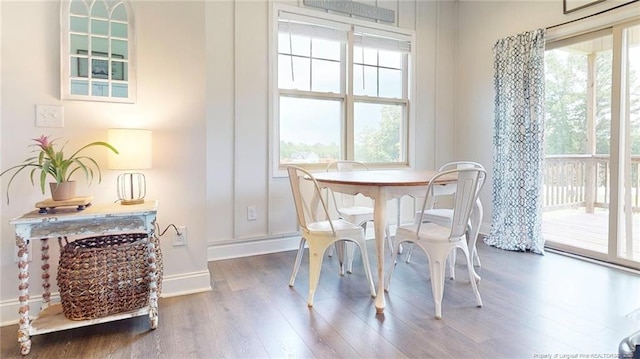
(171, 102)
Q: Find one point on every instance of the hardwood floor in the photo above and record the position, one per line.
(533, 305)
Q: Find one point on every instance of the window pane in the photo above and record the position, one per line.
(370, 85)
(326, 49)
(119, 13)
(119, 71)
(390, 83)
(99, 10)
(78, 43)
(100, 45)
(301, 45)
(118, 29)
(78, 7)
(120, 90)
(378, 132)
(99, 69)
(309, 130)
(370, 55)
(99, 88)
(79, 87)
(119, 49)
(78, 67)
(326, 76)
(299, 79)
(79, 24)
(99, 27)
(283, 43)
(577, 137)
(391, 59)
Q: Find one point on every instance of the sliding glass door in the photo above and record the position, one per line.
(625, 240)
(592, 145)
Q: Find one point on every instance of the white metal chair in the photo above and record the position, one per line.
(443, 216)
(320, 234)
(345, 205)
(437, 240)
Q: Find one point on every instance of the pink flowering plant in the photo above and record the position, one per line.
(48, 161)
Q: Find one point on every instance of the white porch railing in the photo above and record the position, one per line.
(572, 181)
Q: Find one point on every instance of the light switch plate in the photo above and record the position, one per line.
(49, 116)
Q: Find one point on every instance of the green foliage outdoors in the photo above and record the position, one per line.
(566, 104)
(383, 143)
(380, 144)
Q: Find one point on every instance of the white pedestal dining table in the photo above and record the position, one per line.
(381, 186)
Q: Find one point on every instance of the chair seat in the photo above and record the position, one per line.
(356, 211)
(338, 224)
(356, 215)
(442, 216)
(431, 232)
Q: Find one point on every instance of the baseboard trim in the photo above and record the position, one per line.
(217, 252)
(187, 283)
(172, 286)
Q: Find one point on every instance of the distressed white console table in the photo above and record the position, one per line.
(73, 223)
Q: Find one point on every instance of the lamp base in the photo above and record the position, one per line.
(132, 188)
(132, 201)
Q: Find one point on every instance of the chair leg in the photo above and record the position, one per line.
(296, 264)
(453, 257)
(409, 253)
(366, 264)
(340, 249)
(316, 256)
(349, 252)
(437, 268)
(394, 261)
(475, 256)
(472, 273)
(332, 249)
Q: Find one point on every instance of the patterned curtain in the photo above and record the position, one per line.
(518, 151)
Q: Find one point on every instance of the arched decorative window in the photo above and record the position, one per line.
(98, 52)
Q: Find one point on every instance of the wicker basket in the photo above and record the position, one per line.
(104, 275)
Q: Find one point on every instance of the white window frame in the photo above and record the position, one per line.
(65, 56)
(346, 95)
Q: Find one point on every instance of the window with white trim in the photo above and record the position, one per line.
(97, 52)
(341, 90)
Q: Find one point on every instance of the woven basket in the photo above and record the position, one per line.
(104, 275)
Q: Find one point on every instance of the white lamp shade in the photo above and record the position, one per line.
(134, 147)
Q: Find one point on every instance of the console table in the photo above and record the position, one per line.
(72, 223)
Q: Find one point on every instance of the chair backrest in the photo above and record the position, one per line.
(448, 190)
(307, 197)
(460, 164)
(468, 184)
(342, 200)
(346, 166)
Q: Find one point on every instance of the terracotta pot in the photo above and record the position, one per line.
(62, 191)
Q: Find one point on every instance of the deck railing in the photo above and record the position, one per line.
(583, 181)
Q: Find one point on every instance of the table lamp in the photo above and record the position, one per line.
(134, 147)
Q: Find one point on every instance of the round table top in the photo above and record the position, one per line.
(383, 177)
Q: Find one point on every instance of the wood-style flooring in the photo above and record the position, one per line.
(533, 306)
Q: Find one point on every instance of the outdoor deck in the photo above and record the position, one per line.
(575, 227)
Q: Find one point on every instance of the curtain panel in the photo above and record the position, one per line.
(518, 150)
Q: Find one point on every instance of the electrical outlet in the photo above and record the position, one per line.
(181, 238)
(16, 259)
(49, 116)
(252, 213)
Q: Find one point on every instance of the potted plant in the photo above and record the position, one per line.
(49, 162)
